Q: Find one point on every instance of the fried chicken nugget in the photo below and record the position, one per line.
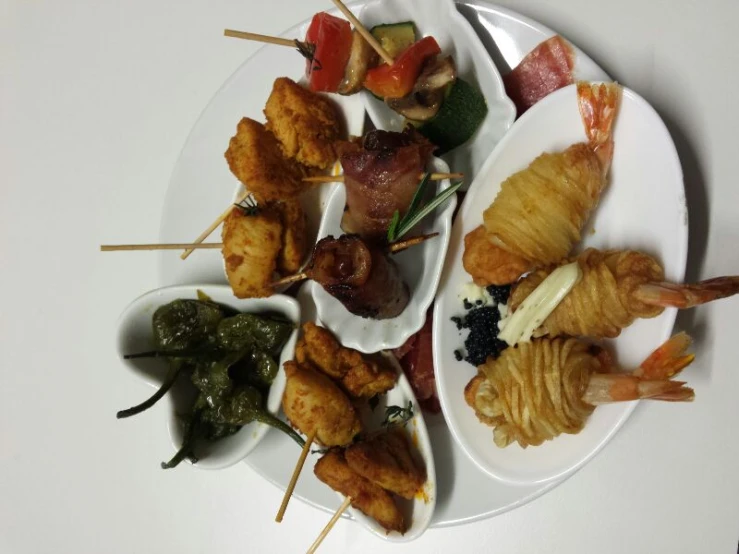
(294, 237)
(251, 245)
(255, 158)
(307, 124)
(489, 264)
(386, 460)
(368, 498)
(360, 375)
(314, 404)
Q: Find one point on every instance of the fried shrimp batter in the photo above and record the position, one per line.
(255, 158)
(541, 389)
(489, 264)
(307, 124)
(603, 302)
(360, 375)
(314, 404)
(386, 460)
(367, 497)
(294, 238)
(540, 211)
(251, 246)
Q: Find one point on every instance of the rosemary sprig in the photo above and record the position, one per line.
(400, 226)
(397, 415)
(248, 205)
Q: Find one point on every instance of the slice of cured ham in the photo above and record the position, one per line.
(547, 68)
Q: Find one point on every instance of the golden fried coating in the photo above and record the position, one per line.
(603, 302)
(307, 124)
(489, 264)
(386, 460)
(294, 238)
(255, 158)
(251, 245)
(360, 375)
(534, 392)
(368, 498)
(314, 404)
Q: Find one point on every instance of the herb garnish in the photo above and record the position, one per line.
(397, 415)
(399, 227)
(248, 205)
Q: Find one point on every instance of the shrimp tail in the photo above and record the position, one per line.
(618, 387)
(598, 105)
(687, 296)
(650, 380)
(668, 360)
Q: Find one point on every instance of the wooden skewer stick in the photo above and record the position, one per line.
(289, 279)
(394, 247)
(407, 243)
(364, 32)
(259, 38)
(205, 234)
(294, 478)
(340, 178)
(330, 525)
(165, 246)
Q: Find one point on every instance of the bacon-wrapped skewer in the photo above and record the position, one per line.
(541, 389)
(381, 178)
(362, 277)
(617, 287)
(359, 274)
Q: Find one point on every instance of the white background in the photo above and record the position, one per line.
(97, 98)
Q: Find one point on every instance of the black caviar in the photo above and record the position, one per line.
(482, 322)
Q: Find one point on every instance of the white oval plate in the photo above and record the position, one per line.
(135, 335)
(201, 185)
(440, 19)
(420, 267)
(643, 208)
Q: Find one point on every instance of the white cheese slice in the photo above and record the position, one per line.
(537, 306)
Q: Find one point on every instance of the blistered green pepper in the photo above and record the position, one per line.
(181, 325)
(243, 406)
(262, 332)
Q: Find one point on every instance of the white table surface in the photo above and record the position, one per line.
(96, 100)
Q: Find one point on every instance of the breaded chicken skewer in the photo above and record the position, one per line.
(318, 409)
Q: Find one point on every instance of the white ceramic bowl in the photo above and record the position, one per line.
(135, 335)
(420, 267)
(456, 37)
(643, 208)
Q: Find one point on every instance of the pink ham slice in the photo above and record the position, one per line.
(547, 68)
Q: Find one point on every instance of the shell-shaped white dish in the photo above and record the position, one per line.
(643, 208)
(135, 335)
(456, 37)
(420, 267)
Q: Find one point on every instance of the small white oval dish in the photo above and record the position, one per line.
(420, 510)
(643, 208)
(419, 265)
(456, 37)
(135, 335)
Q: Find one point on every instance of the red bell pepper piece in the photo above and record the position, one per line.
(331, 39)
(397, 80)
